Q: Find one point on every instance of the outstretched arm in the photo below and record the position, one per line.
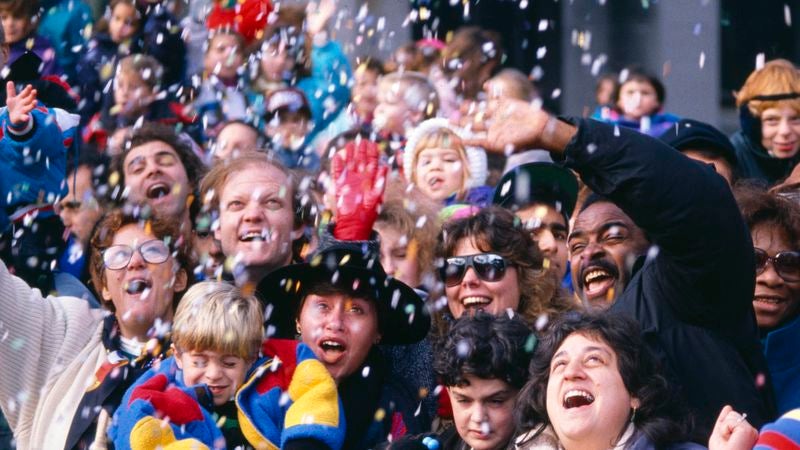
(685, 208)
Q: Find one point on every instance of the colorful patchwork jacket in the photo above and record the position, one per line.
(287, 396)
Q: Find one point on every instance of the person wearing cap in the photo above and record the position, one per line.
(702, 142)
(661, 241)
(342, 305)
(287, 125)
(446, 171)
(543, 196)
(768, 144)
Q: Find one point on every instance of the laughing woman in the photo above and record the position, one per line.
(63, 366)
(491, 264)
(595, 386)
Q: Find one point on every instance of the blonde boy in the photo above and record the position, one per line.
(216, 336)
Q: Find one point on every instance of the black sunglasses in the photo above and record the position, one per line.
(786, 263)
(488, 267)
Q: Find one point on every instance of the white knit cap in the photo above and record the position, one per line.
(476, 156)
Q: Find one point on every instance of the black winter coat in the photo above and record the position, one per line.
(693, 299)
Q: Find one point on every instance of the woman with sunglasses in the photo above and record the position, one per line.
(774, 223)
(64, 367)
(491, 264)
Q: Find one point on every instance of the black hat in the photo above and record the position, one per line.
(692, 134)
(538, 182)
(354, 266)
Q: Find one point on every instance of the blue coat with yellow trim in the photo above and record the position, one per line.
(288, 396)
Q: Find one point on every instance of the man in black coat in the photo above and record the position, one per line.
(660, 240)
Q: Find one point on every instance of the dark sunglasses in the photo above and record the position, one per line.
(488, 267)
(117, 257)
(786, 264)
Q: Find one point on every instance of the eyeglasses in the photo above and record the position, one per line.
(488, 267)
(786, 264)
(117, 257)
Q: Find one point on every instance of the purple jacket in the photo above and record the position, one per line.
(42, 48)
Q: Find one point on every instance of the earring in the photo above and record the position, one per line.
(633, 416)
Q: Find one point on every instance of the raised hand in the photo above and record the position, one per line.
(20, 105)
(732, 432)
(360, 179)
(318, 15)
(510, 125)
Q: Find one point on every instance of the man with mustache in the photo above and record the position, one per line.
(660, 241)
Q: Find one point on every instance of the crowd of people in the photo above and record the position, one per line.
(219, 231)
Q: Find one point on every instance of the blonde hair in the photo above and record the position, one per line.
(415, 90)
(443, 138)
(778, 76)
(144, 67)
(218, 316)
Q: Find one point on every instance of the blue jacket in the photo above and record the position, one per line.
(783, 359)
(65, 25)
(33, 166)
(282, 400)
(328, 87)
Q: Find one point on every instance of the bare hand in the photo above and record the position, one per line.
(509, 126)
(317, 15)
(20, 105)
(732, 432)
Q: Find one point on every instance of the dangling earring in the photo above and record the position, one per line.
(633, 416)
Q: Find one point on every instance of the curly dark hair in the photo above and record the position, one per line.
(152, 131)
(661, 416)
(760, 207)
(486, 346)
(112, 222)
(497, 230)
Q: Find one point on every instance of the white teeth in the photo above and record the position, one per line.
(262, 235)
(595, 274)
(332, 344)
(771, 300)
(472, 301)
(578, 393)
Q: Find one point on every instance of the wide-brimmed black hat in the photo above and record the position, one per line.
(355, 267)
(537, 182)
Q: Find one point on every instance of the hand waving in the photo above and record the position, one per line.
(20, 105)
(360, 179)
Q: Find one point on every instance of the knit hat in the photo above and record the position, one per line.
(692, 134)
(537, 182)
(478, 165)
(784, 433)
(248, 17)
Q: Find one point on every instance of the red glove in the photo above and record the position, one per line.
(168, 400)
(360, 179)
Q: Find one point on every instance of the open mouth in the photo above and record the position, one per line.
(475, 302)
(329, 345)
(597, 281)
(435, 182)
(137, 286)
(216, 390)
(255, 236)
(158, 190)
(768, 300)
(575, 398)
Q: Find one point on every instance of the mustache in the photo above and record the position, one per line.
(603, 264)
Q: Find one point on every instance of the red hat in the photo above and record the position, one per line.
(246, 17)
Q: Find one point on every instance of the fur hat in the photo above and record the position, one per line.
(478, 165)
